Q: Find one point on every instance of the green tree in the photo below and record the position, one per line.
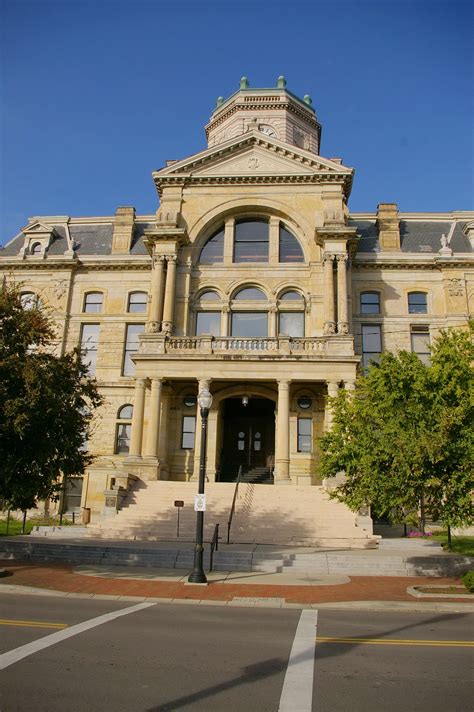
(404, 439)
(46, 406)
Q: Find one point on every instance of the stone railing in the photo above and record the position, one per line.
(316, 346)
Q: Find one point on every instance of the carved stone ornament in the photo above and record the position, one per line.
(153, 327)
(456, 287)
(329, 328)
(343, 327)
(328, 257)
(253, 163)
(341, 258)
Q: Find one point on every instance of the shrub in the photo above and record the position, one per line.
(468, 581)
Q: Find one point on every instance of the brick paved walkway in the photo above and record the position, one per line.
(360, 588)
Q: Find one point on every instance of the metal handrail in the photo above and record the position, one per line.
(214, 545)
(232, 509)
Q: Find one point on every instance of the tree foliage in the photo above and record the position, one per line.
(46, 406)
(404, 439)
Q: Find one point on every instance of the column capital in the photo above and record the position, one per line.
(172, 258)
(333, 388)
(141, 383)
(328, 257)
(349, 385)
(204, 383)
(342, 257)
(283, 383)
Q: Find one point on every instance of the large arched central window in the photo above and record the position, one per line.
(252, 240)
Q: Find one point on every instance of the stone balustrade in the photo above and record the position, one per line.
(315, 346)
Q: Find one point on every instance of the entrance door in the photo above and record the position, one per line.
(248, 443)
(249, 437)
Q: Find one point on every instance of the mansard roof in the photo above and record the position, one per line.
(417, 235)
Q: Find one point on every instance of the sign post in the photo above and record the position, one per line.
(178, 503)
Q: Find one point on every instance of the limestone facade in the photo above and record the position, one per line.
(252, 278)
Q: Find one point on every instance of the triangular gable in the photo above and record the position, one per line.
(254, 154)
(37, 228)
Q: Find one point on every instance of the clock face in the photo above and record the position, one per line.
(267, 130)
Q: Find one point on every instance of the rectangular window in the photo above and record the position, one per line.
(420, 342)
(371, 343)
(250, 324)
(292, 324)
(131, 347)
(137, 302)
(370, 303)
(417, 303)
(188, 431)
(89, 343)
(208, 323)
(251, 241)
(124, 431)
(304, 434)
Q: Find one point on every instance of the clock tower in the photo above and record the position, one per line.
(276, 112)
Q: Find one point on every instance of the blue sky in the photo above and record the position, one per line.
(96, 95)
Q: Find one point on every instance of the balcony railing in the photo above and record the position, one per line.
(315, 346)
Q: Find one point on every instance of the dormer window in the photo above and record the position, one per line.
(36, 248)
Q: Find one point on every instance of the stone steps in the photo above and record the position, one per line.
(278, 514)
(225, 559)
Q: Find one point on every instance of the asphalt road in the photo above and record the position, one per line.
(207, 658)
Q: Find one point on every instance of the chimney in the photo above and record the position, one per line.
(388, 226)
(123, 230)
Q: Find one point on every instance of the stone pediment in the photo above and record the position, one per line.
(37, 228)
(252, 156)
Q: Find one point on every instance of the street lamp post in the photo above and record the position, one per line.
(197, 575)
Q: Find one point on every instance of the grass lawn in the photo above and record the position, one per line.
(459, 544)
(15, 526)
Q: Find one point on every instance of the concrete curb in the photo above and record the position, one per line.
(393, 606)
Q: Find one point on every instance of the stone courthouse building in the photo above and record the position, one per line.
(253, 278)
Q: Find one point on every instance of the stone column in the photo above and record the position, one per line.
(168, 309)
(151, 449)
(229, 241)
(350, 386)
(137, 418)
(282, 473)
(342, 319)
(329, 316)
(156, 305)
(202, 383)
(333, 390)
(274, 240)
(273, 321)
(163, 433)
(225, 319)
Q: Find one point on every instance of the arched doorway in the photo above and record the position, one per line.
(248, 440)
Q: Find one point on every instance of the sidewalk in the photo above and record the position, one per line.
(229, 588)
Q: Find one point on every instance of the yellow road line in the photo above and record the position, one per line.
(32, 624)
(397, 641)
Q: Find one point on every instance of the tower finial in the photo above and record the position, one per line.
(244, 83)
(281, 82)
(307, 99)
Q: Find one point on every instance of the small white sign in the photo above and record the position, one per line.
(200, 503)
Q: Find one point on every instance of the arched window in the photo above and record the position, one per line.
(213, 250)
(254, 239)
(29, 300)
(137, 302)
(36, 248)
(291, 314)
(370, 303)
(289, 249)
(417, 303)
(251, 240)
(93, 302)
(123, 430)
(250, 293)
(249, 320)
(208, 314)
